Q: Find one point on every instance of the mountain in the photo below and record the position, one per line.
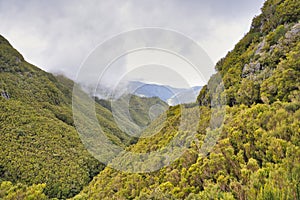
(40, 147)
(134, 113)
(41, 152)
(248, 150)
(173, 96)
(257, 152)
(185, 96)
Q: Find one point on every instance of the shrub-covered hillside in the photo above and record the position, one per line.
(264, 66)
(257, 155)
(41, 154)
(38, 141)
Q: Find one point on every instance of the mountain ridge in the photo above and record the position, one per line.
(169, 94)
(40, 147)
(256, 156)
(258, 149)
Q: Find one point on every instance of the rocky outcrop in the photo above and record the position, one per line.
(5, 95)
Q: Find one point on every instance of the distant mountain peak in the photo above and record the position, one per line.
(171, 95)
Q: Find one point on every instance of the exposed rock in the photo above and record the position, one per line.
(5, 95)
(273, 47)
(260, 47)
(251, 68)
(295, 29)
(18, 60)
(293, 32)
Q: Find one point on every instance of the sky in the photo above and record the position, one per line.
(59, 35)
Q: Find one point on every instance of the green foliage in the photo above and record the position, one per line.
(275, 13)
(139, 108)
(39, 143)
(285, 83)
(263, 52)
(38, 140)
(8, 191)
(274, 36)
(38, 148)
(257, 154)
(248, 92)
(256, 157)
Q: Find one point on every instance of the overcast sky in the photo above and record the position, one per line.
(58, 35)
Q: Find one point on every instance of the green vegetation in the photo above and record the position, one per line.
(38, 141)
(39, 144)
(263, 66)
(8, 191)
(257, 155)
(141, 112)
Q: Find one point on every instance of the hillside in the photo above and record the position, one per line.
(257, 155)
(141, 111)
(41, 152)
(39, 143)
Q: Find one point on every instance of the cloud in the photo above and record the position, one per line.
(58, 35)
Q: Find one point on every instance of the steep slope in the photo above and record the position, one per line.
(257, 155)
(141, 110)
(38, 141)
(263, 67)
